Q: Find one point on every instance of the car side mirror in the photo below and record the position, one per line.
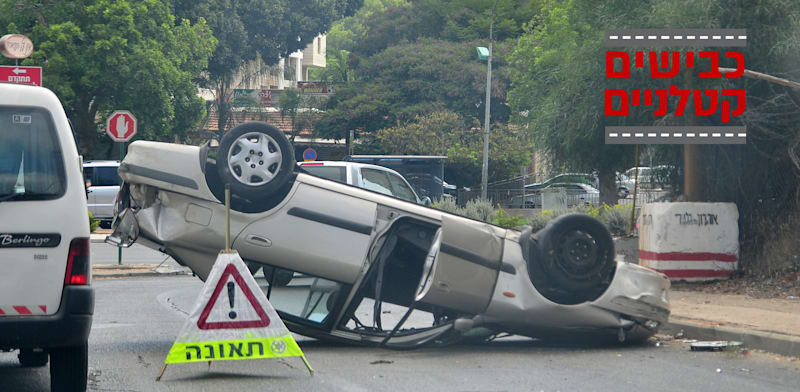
(426, 201)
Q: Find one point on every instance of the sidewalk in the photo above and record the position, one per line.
(767, 324)
(102, 271)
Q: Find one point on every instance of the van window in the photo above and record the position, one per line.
(106, 176)
(31, 163)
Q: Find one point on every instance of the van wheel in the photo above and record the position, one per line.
(256, 159)
(68, 368)
(30, 358)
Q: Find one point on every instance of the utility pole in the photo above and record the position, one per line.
(485, 169)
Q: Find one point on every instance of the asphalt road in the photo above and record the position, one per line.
(136, 320)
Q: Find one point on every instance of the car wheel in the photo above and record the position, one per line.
(572, 259)
(30, 358)
(68, 368)
(256, 159)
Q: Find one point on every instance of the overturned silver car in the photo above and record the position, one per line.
(349, 264)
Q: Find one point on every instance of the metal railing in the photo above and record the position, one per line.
(516, 198)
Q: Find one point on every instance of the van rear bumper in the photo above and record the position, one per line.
(70, 326)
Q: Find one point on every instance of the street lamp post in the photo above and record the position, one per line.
(485, 168)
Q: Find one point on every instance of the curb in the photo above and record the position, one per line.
(103, 271)
(96, 238)
(138, 274)
(767, 341)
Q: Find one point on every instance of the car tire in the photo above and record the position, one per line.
(68, 368)
(30, 358)
(572, 259)
(260, 172)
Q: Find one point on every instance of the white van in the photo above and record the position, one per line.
(46, 301)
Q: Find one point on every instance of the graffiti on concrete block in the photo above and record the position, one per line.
(688, 218)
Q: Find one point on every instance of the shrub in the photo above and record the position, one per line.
(540, 221)
(504, 219)
(447, 205)
(93, 224)
(481, 210)
(617, 218)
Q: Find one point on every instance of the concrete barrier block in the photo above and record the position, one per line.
(690, 241)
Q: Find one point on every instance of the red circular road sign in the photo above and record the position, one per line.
(121, 126)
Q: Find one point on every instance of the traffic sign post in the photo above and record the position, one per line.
(121, 127)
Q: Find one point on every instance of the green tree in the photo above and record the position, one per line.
(264, 30)
(300, 109)
(411, 79)
(558, 83)
(451, 20)
(461, 140)
(558, 79)
(101, 55)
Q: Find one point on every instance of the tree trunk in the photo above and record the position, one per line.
(608, 187)
(222, 107)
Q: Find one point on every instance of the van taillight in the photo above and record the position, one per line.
(78, 263)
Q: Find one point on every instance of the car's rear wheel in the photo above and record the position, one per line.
(31, 358)
(572, 259)
(68, 368)
(256, 159)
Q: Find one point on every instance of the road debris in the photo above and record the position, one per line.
(381, 362)
(716, 345)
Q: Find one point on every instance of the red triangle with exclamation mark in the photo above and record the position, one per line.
(262, 321)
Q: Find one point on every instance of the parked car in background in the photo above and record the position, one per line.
(650, 178)
(363, 257)
(46, 300)
(577, 194)
(102, 187)
(582, 178)
(363, 175)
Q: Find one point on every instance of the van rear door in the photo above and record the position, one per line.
(35, 227)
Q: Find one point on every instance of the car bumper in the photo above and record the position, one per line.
(70, 326)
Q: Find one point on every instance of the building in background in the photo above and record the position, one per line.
(256, 90)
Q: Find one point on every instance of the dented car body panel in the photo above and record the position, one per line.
(352, 253)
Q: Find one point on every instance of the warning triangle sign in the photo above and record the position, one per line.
(230, 281)
(232, 320)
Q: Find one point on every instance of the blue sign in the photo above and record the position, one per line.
(309, 154)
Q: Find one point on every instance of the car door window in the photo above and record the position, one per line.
(335, 173)
(400, 188)
(376, 180)
(88, 176)
(106, 176)
(306, 297)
